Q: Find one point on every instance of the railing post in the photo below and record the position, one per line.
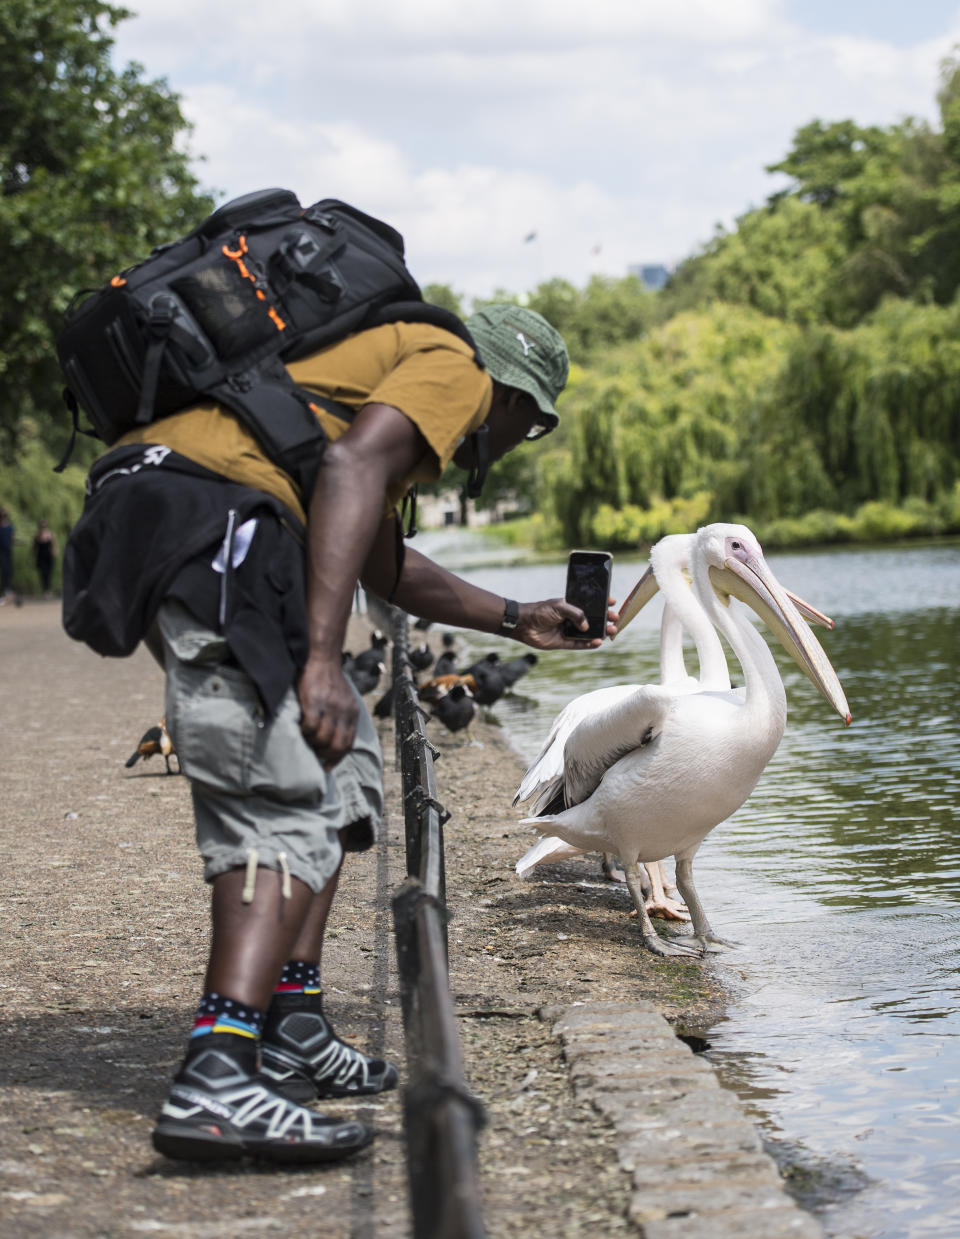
(441, 1117)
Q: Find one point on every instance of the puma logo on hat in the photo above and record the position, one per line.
(527, 346)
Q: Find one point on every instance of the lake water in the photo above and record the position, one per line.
(839, 879)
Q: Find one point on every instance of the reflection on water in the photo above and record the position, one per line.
(839, 879)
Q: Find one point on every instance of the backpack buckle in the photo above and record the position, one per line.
(322, 219)
(163, 312)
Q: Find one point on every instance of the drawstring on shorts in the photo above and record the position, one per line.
(250, 881)
(251, 878)
(286, 889)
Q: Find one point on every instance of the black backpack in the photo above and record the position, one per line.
(215, 315)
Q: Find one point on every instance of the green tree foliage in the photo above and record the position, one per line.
(598, 317)
(92, 176)
(884, 189)
(443, 295)
(801, 372)
(606, 312)
(868, 213)
(854, 417)
(727, 414)
(657, 424)
(782, 260)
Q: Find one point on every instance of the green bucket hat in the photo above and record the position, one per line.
(520, 349)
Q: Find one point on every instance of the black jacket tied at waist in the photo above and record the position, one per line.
(150, 528)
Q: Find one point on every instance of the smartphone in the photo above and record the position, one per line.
(588, 587)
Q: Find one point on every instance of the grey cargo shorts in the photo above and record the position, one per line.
(261, 797)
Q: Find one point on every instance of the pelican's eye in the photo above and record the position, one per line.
(736, 548)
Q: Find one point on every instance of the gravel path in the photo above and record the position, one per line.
(103, 916)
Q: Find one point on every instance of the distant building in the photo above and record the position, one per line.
(651, 275)
(439, 511)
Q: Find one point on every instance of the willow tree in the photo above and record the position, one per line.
(859, 416)
(660, 421)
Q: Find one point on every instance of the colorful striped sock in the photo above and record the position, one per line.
(299, 977)
(217, 1014)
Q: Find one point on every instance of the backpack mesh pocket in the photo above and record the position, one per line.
(227, 304)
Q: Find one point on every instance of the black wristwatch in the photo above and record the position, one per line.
(511, 615)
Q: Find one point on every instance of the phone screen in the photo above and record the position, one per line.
(588, 587)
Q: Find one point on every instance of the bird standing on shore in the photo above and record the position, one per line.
(375, 655)
(488, 676)
(365, 669)
(384, 706)
(516, 668)
(446, 664)
(365, 678)
(455, 708)
(440, 685)
(544, 780)
(421, 657)
(154, 740)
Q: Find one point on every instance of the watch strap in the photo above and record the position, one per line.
(511, 615)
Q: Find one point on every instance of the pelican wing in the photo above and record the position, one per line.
(544, 779)
(604, 736)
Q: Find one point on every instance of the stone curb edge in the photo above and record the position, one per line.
(696, 1164)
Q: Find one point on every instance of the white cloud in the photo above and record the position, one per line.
(629, 124)
(483, 25)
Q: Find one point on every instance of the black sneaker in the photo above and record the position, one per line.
(220, 1111)
(304, 1058)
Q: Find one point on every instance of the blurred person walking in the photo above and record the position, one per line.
(44, 556)
(7, 537)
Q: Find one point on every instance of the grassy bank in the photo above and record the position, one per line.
(633, 528)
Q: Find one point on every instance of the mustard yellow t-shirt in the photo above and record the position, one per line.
(425, 372)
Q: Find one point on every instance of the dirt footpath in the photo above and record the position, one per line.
(103, 917)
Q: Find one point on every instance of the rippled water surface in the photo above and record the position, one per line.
(839, 879)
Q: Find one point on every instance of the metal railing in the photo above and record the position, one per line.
(441, 1117)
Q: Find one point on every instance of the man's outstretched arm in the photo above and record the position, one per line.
(431, 592)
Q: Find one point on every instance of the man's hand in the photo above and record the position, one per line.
(329, 710)
(540, 624)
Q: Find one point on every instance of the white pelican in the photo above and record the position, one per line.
(648, 771)
(544, 780)
(668, 571)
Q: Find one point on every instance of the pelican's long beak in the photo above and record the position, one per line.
(647, 586)
(807, 611)
(753, 583)
(637, 599)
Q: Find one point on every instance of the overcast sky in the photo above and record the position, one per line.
(618, 131)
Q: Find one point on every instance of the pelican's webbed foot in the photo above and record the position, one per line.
(703, 933)
(670, 946)
(651, 939)
(669, 909)
(713, 943)
(660, 901)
